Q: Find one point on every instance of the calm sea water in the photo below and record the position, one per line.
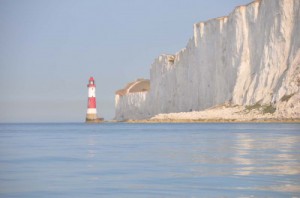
(149, 160)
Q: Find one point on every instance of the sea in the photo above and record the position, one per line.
(149, 160)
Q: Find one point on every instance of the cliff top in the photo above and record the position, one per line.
(140, 85)
(224, 17)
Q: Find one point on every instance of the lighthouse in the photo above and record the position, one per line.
(91, 115)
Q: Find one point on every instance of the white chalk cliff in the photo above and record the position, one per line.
(251, 56)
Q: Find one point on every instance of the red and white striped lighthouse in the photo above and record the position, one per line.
(91, 115)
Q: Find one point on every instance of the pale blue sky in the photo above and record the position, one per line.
(50, 48)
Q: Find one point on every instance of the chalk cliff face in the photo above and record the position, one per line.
(132, 101)
(251, 56)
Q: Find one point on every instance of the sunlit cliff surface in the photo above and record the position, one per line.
(250, 57)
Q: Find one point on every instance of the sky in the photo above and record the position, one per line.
(49, 49)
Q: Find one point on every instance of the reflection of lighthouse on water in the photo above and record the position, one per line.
(91, 115)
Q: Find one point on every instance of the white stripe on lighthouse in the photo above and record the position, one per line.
(92, 92)
(91, 111)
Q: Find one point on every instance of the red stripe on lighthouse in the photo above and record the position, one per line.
(92, 102)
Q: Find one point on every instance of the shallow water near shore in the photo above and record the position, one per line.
(150, 160)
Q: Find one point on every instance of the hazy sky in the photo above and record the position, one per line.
(50, 48)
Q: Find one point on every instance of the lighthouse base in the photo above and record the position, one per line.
(93, 118)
